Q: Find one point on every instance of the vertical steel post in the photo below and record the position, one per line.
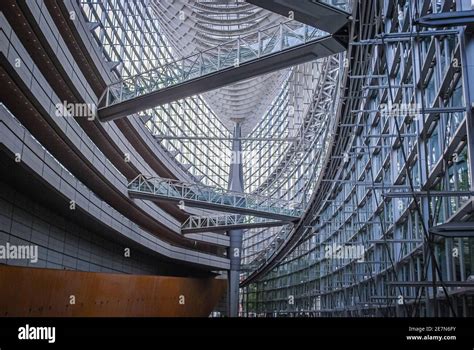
(236, 183)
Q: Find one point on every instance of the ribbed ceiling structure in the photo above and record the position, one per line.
(193, 26)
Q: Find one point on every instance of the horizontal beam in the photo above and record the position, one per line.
(446, 19)
(428, 193)
(314, 13)
(430, 283)
(211, 138)
(454, 229)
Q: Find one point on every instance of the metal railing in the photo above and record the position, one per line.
(226, 222)
(345, 5)
(215, 198)
(250, 47)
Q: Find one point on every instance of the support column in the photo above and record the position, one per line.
(467, 50)
(236, 183)
(423, 173)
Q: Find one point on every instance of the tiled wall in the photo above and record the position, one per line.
(63, 244)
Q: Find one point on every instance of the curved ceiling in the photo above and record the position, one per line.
(192, 26)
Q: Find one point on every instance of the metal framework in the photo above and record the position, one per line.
(132, 41)
(223, 223)
(199, 25)
(381, 156)
(327, 15)
(283, 45)
(403, 270)
(213, 198)
(293, 175)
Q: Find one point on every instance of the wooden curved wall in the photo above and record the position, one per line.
(48, 292)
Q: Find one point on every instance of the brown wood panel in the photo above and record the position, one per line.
(33, 292)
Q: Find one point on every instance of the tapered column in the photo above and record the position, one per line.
(236, 183)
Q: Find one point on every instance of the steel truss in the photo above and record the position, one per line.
(399, 266)
(313, 135)
(219, 199)
(222, 223)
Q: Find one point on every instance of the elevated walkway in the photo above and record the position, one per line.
(200, 196)
(219, 223)
(271, 49)
(327, 15)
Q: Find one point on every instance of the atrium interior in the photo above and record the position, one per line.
(231, 158)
